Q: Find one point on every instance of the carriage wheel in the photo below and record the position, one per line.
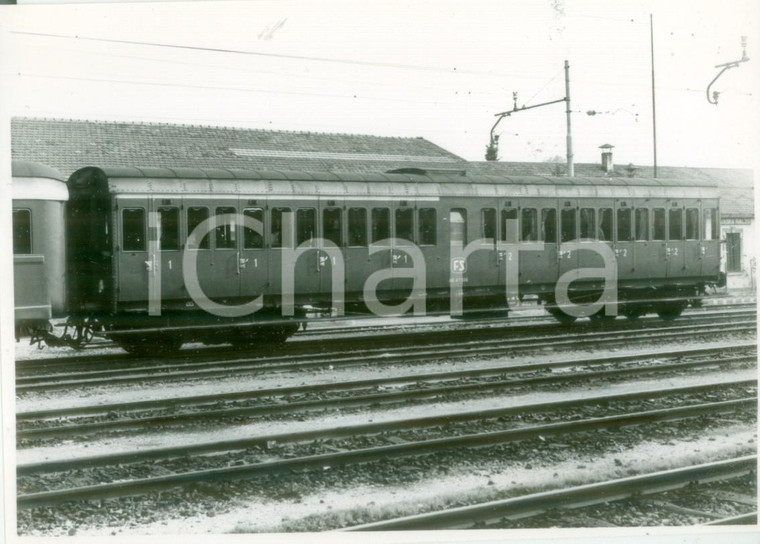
(669, 311)
(155, 345)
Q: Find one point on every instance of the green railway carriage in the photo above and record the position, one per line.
(130, 236)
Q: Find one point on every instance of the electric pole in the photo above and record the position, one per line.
(492, 149)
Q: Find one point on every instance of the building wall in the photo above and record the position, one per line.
(746, 278)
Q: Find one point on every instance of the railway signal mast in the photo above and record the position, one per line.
(713, 99)
(492, 149)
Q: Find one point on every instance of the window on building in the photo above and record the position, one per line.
(332, 225)
(529, 225)
(569, 224)
(22, 232)
(675, 222)
(509, 225)
(405, 225)
(549, 225)
(692, 224)
(605, 224)
(306, 225)
(251, 238)
(381, 224)
(488, 224)
(733, 252)
(624, 230)
(588, 223)
(133, 229)
(426, 226)
(642, 224)
(277, 219)
(357, 227)
(658, 231)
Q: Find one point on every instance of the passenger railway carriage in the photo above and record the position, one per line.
(39, 199)
(129, 231)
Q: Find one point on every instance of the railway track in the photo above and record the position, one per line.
(343, 337)
(494, 514)
(297, 450)
(105, 418)
(473, 344)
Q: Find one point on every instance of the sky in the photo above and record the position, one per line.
(438, 70)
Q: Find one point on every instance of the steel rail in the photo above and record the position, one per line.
(494, 512)
(139, 486)
(477, 326)
(354, 430)
(402, 354)
(362, 400)
(742, 519)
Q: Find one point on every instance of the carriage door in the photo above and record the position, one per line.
(135, 264)
(404, 226)
(482, 267)
(433, 241)
(380, 227)
(538, 222)
(224, 278)
(168, 225)
(333, 220)
(710, 249)
(254, 272)
(624, 236)
(508, 235)
(692, 265)
(675, 247)
(568, 232)
(356, 253)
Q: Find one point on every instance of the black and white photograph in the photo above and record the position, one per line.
(432, 271)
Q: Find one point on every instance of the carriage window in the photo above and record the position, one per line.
(588, 223)
(22, 232)
(458, 226)
(488, 224)
(169, 222)
(549, 225)
(692, 224)
(332, 225)
(195, 216)
(710, 225)
(251, 238)
(642, 223)
(624, 231)
(426, 227)
(381, 224)
(357, 227)
(675, 219)
(509, 217)
(405, 224)
(306, 225)
(605, 224)
(567, 217)
(277, 219)
(226, 229)
(529, 225)
(133, 229)
(658, 232)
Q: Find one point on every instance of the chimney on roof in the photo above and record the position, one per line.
(607, 164)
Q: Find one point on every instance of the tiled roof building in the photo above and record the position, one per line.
(70, 144)
(735, 185)
(67, 145)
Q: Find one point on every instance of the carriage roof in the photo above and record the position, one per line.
(407, 182)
